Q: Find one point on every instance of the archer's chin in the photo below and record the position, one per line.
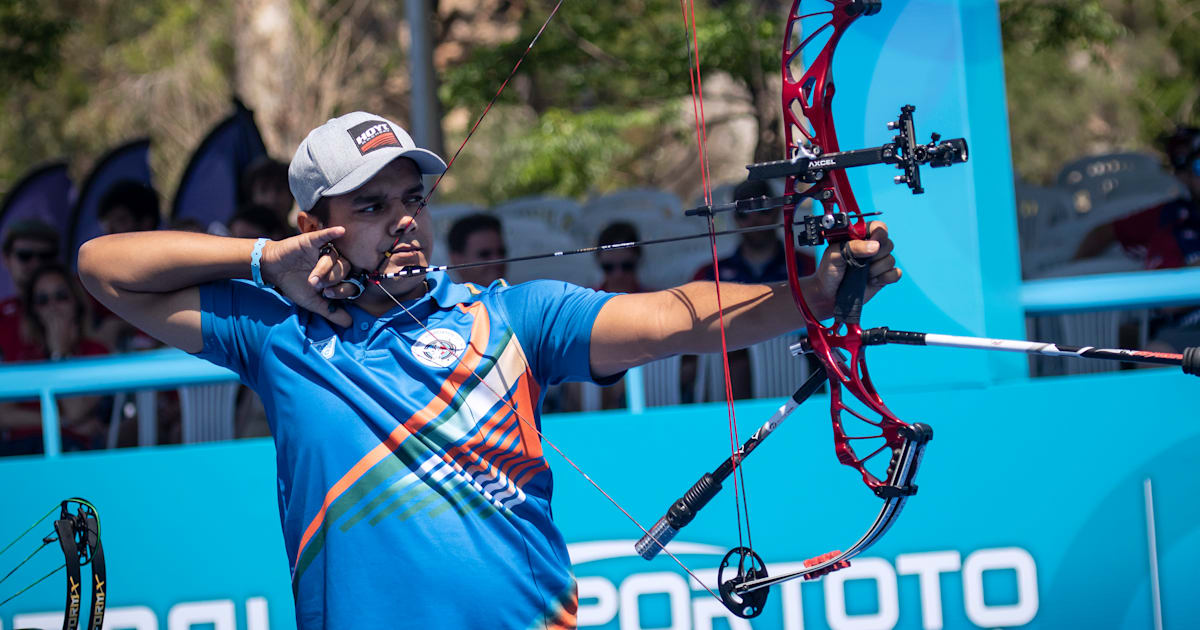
(402, 287)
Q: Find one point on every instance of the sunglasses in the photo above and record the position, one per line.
(43, 299)
(27, 255)
(626, 266)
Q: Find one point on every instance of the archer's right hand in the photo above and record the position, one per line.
(301, 271)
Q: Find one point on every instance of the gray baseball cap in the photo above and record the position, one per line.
(346, 152)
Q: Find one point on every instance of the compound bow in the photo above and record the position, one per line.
(78, 534)
(814, 158)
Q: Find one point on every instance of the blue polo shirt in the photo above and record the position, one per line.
(411, 493)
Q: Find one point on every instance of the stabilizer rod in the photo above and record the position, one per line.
(1188, 360)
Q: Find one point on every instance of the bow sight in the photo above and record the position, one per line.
(809, 165)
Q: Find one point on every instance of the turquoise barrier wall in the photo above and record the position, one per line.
(1032, 510)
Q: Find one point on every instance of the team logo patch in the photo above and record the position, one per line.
(373, 134)
(325, 348)
(439, 348)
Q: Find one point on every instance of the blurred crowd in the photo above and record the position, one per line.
(50, 318)
(1112, 213)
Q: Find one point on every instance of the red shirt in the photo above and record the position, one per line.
(85, 348)
(1163, 237)
(13, 343)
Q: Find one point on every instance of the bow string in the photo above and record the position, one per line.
(814, 167)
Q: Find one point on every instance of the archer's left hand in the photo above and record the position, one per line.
(876, 249)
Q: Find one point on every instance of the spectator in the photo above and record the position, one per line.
(254, 222)
(473, 239)
(257, 221)
(129, 206)
(264, 182)
(29, 245)
(759, 257)
(56, 317)
(1165, 236)
(620, 266)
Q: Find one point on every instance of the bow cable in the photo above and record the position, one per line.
(688, 8)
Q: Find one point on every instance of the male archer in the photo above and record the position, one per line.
(413, 490)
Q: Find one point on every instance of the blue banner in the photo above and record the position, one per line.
(45, 194)
(128, 162)
(208, 191)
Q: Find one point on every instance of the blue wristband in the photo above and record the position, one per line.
(256, 263)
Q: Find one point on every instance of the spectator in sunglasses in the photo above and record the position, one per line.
(55, 316)
(619, 265)
(473, 239)
(28, 245)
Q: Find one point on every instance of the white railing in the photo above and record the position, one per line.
(170, 369)
(154, 369)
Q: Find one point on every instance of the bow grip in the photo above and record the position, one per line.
(1191, 361)
(679, 515)
(847, 309)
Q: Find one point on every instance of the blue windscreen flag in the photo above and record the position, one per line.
(129, 161)
(45, 194)
(208, 191)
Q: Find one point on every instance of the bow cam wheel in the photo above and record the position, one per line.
(749, 567)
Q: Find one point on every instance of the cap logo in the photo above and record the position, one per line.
(373, 134)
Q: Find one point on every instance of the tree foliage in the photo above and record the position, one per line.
(30, 42)
(1092, 76)
(607, 88)
(103, 73)
(601, 103)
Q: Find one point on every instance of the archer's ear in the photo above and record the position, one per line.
(308, 223)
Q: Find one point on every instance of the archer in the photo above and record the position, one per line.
(405, 409)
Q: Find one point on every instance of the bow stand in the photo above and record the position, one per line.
(78, 535)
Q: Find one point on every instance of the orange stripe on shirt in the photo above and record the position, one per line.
(472, 355)
(566, 617)
(476, 454)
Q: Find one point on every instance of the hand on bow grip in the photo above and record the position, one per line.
(851, 272)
